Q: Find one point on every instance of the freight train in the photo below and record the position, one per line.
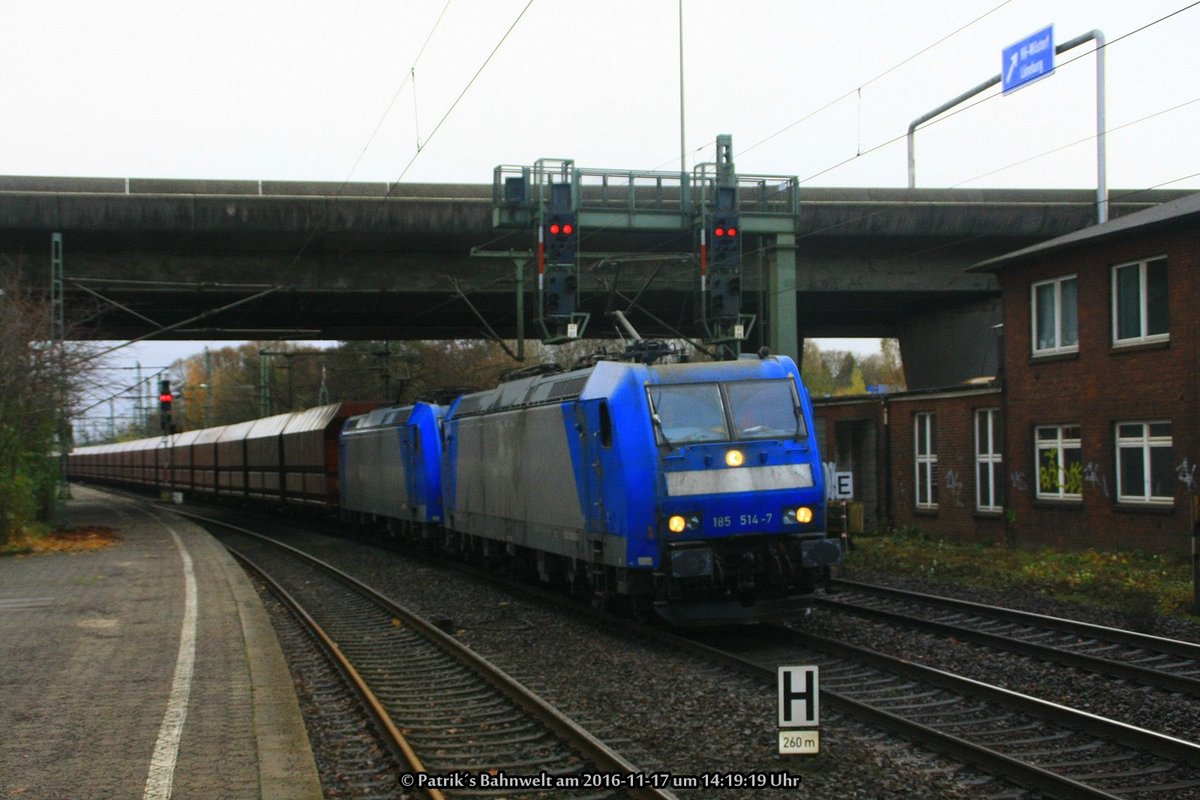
(694, 490)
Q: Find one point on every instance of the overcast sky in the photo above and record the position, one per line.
(429, 90)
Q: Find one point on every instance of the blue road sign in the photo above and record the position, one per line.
(1027, 60)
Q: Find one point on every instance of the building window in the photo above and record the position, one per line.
(1144, 470)
(989, 479)
(1140, 302)
(926, 459)
(1055, 316)
(1059, 462)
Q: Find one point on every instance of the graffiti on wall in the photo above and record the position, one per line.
(1187, 475)
(953, 487)
(1092, 477)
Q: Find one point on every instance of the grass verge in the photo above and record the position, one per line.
(69, 540)
(1138, 583)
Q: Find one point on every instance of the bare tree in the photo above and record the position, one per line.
(37, 379)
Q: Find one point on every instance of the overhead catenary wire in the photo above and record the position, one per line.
(850, 93)
(863, 151)
(457, 100)
(951, 114)
(858, 90)
(409, 75)
(1077, 142)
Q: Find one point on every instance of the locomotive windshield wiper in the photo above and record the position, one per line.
(661, 432)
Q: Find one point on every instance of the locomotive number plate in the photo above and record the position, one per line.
(742, 521)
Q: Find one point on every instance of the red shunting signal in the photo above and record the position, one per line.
(719, 232)
(732, 231)
(165, 398)
(555, 228)
(568, 229)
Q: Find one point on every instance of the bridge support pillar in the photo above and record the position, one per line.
(950, 347)
(781, 328)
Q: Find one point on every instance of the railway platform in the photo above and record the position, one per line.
(148, 668)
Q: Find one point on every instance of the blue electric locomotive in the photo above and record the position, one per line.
(390, 468)
(693, 488)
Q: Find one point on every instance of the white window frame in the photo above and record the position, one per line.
(1058, 346)
(1145, 442)
(988, 481)
(925, 460)
(1058, 445)
(1143, 337)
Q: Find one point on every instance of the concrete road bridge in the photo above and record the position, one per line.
(202, 259)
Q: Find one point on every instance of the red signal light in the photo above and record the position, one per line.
(733, 231)
(568, 229)
(555, 228)
(718, 232)
(165, 398)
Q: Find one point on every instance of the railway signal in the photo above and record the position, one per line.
(561, 237)
(165, 399)
(725, 240)
(724, 266)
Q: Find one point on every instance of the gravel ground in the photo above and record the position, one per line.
(352, 759)
(664, 711)
(1029, 599)
(1165, 712)
(669, 713)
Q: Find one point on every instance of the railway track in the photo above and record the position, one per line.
(1162, 663)
(1025, 742)
(1021, 740)
(462, 727)
(1043, 746)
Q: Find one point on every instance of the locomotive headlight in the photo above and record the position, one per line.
(797, 516)
(678, 523)
(734, 458)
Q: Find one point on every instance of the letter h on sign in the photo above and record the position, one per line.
(798, 697)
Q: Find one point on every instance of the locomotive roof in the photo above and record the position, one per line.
(602, 379)
(389, 416)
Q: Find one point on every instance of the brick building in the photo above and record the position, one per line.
(916, 461)
(1090, 436)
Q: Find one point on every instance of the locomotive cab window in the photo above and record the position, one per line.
(710, 412)
(606, 428)
(688, 413)
(765, 410)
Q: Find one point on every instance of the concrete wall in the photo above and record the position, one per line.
(945, 347)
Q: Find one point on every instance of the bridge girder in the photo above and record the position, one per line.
(364, 261)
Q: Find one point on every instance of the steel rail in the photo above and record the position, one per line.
(1081, 660)
(1118, 635)
(395, 737)
(1159, 743)
(591, 748)
(994, 762)
(958, 748)
(1000, 765)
